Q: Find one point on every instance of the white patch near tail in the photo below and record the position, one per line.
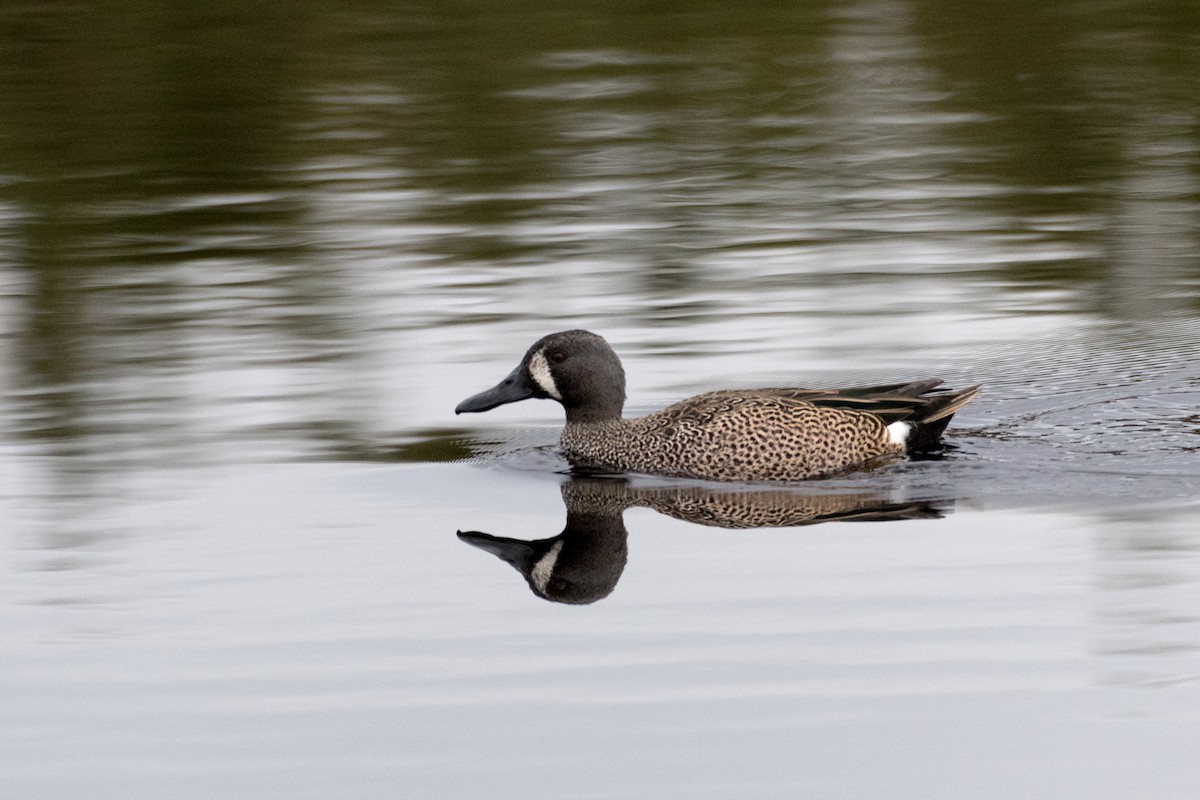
(898, 432)
(540, 574)
(539, 369)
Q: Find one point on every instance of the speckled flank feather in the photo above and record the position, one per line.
(749, 434)
(734, 435)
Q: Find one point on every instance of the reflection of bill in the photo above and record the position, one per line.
(584, 562)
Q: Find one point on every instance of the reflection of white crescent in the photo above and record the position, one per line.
(540, 574)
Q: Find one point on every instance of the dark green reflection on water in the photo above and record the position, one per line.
(193, 192)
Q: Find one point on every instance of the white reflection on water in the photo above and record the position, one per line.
(1146, 600)
(325, 633)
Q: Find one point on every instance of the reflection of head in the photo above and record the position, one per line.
(583, 563)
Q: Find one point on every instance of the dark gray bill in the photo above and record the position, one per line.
(520, 554)
(513, 388)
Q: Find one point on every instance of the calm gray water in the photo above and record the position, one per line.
(252, 255)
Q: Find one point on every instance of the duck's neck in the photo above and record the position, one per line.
(592, 414)
(595, 396)
(600, 402)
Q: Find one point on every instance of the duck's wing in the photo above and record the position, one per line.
(915, 401)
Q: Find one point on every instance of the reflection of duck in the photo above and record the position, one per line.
(583, 563)
(744, 434)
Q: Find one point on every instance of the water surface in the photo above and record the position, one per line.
(252, 257)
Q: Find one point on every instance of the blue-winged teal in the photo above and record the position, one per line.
(731, 435)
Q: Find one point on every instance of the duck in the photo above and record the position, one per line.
(764, 434)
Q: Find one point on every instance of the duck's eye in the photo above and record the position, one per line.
(558, 356)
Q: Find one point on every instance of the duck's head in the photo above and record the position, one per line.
(576, 368)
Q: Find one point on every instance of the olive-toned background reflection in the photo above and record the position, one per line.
(235, 220)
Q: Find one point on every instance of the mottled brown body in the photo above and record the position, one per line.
(725, 436)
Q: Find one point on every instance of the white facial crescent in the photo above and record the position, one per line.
(539, 368)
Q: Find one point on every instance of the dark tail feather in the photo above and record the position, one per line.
(932, 419)
(910, 389)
